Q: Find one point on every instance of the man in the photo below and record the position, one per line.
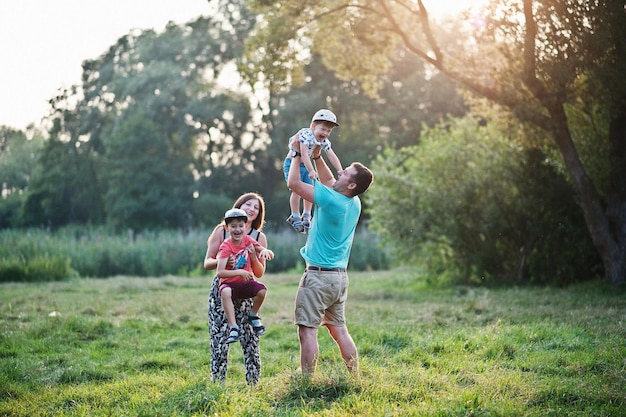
(323, 288)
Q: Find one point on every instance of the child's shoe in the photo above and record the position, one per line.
(257, 326)
(234, 335)
(306, 222)
(296, 223)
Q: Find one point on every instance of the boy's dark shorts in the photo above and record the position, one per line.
(243, 290)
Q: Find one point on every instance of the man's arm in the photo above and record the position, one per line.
(304, 190)
(323, 171)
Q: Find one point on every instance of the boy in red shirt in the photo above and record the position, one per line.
(238, 265)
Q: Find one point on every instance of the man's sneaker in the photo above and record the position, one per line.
(296, 224)
(234, 335)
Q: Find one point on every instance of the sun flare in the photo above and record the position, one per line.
(443, 8)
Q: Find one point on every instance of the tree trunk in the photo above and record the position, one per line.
(616, 198)
(607, 229)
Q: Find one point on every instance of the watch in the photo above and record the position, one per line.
(295, 153)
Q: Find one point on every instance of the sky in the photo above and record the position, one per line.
(44, 42)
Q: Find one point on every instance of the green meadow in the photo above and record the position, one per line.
(131, 346)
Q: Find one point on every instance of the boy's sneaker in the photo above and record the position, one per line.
(296, 223)
(306, 222)
(234, 335)
(257, 326)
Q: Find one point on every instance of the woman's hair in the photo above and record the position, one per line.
(259, 222)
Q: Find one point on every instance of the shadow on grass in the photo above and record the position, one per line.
(317, 393)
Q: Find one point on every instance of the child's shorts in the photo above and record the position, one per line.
(304, 173)
(243, 290)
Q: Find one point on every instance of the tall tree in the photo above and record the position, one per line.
(148, 186)
(173, 82)
(532, 56)
(18, 159)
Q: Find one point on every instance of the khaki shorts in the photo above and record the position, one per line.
(321, 299)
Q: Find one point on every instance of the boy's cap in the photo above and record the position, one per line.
(235, 214)
(326, 116)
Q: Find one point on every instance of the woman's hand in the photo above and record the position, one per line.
(266, 254)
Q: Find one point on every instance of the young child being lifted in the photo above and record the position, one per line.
(304, 143)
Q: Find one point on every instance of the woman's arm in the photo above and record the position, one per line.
(213, 246)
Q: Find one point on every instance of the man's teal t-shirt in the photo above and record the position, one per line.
(334, 221)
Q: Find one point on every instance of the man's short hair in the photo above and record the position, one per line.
(363, 178)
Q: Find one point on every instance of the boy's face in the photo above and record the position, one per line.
(322, 129)
(236, 228)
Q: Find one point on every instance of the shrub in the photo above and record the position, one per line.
(37, 268)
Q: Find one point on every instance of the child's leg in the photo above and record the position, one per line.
(254, 318)
(294, 218)
(258, 301)
(307, 206)
(227, 304)
(294, 204)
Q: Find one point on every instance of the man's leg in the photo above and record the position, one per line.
(309, 349)
(347, 347)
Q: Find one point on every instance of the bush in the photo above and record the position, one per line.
(36, 268)
(98, 252)
(475, 203)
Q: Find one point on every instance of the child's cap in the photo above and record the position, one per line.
(235, 214)
(326, 116)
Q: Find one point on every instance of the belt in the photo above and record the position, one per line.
(317, 268)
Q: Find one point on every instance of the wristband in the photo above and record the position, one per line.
(316, 158)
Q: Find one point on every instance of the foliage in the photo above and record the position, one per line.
(36, 268)
(157, 95)
(99, 252)
(148, 187)
(534, 57)
(18, 158)
(475, 202)
(140, 345)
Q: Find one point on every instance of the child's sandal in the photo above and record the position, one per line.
(234, 335)
(296, 224)
(257, 325)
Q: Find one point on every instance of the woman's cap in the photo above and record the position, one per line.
(326, 116)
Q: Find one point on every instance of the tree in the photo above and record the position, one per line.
(18, 159)
(148, 188)
(480, 207)
(533, 57)
(168, 81)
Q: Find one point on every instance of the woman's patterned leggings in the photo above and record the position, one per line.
(219, 329)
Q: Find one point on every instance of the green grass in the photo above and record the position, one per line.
(128, 346)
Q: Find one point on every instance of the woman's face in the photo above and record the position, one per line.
(251, 207)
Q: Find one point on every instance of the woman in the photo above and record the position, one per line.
(254, 206)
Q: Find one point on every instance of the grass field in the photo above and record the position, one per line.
(129, 346)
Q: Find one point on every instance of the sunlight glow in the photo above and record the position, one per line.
(446, 8)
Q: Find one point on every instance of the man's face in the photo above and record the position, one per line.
(344, 180)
